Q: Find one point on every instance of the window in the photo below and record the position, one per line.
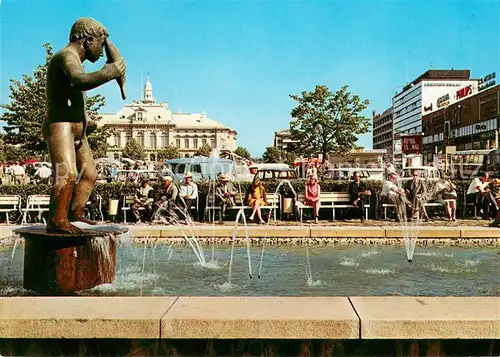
(128, 137)
(204, 142)
(138, 115)
(117, 141)
(178, 143)
(195, 143)
(212, 142)
(186, 143)
(164, 140)
(196, 169)
(152, 140)
(179, 168)
(140, 139)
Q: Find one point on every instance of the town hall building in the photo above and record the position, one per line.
(154, 126)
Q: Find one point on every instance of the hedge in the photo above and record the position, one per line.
(116, 190)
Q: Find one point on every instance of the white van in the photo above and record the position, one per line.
(208, 168)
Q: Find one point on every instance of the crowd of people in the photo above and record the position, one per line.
(17, 174)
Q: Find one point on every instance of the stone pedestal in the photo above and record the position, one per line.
(61, 264)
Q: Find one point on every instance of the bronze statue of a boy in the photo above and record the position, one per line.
(65, 124)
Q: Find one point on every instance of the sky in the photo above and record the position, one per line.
(238, 61)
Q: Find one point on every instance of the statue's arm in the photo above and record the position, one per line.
(80, 80)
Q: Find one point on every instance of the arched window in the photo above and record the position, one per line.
(140, 139)
(152, 140)
(117, 141)
(164, 140)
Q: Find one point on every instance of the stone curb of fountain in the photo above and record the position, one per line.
(188, 317)
(462, 236)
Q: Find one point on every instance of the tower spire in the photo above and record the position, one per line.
(148, 91)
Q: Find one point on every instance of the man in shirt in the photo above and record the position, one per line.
(480, 194)
(416, 191)
(144, 198)
(358, 194)
(188, 192)
(392, 194)
(165, 199)
(43, 174)
(225, 194)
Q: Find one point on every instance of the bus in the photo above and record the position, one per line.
(469, 163)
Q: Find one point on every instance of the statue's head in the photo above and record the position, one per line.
(91, 34)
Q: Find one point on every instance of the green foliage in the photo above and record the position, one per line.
(272, 154)
(133, 150)
(243, 152)
(98, 138)
(13, 153)
(26, 111)
(205, 150)
(168, 153)
(325, 122)
(2, 150)
(289, 157)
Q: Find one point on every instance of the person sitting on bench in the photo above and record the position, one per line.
(359, 194)
(311, 194)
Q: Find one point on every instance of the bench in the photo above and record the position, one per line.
(99, 207)
(427, 204)
(333, 200)
(10, 203)
(36, 203)
(129, 200)
(272, 199)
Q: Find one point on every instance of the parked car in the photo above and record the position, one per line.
(426, 172)
(346, 174)
(208, 168)
(267, 174)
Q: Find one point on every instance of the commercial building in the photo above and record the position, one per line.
(382, 131)
(154, 126)
(469, 123)
(282, 139)
(411, 103)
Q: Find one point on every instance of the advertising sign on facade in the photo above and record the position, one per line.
(487, 81)
(442, 101)
(412, 144)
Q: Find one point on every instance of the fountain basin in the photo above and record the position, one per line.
(61, 264)
(163, 267)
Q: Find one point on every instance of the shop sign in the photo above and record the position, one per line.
(442, 101)
(487, 81)
(464, 92)
(487, 135)
(412, 144)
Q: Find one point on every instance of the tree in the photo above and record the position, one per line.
(205, 150)
(25, 112)
(272, 154)
(289, 157)
(98, 139)
(168, 153)
(133, 150)
(243, 152)
(326, 122)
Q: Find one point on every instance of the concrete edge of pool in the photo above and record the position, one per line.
(188, 317)
(310, 231)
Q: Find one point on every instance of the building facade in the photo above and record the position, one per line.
(411, 103)
(382, 131)
(470, 123)
(154, 126)
(282, 139)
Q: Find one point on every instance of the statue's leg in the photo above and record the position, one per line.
(84, 184)
(60, 141)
